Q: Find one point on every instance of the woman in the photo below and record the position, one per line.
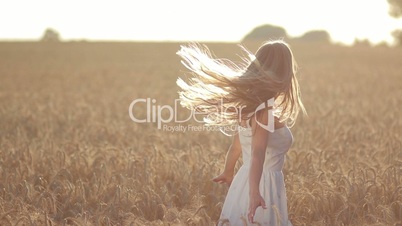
(262, 96)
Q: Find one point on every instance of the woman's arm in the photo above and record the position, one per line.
(232, 156)
(258, 149)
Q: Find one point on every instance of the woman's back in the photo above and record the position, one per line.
(279, 143)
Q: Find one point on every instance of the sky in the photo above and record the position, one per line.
(194, 20)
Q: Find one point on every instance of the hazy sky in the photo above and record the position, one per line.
(195, 20)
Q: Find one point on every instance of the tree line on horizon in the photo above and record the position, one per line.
(395, 11)
(263, 32)
(268, 31)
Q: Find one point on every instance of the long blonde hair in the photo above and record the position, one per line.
(227, 92)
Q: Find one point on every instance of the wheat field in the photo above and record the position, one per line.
(71, 155)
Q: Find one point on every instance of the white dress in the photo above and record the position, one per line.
(272, 185)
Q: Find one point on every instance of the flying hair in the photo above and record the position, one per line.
(227, 92)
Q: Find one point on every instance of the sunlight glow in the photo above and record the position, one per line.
(206, 20)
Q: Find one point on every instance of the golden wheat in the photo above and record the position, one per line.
(70, 155)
